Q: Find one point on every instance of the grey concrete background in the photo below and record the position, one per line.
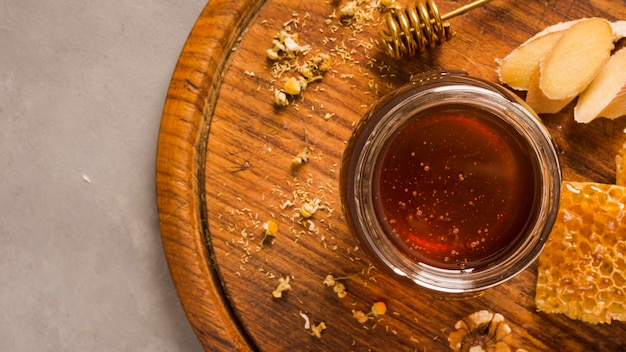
(82, 87)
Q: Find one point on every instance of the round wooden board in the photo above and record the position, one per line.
(225, 167)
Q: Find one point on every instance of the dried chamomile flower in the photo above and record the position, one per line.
(302, 157)
(309, 208)
(378, 308)
(338, 287)
(349, 9)
(360, 316)
(322, 62)
(283, 285)
(280, 98)
(291, 44)
(385, 4)
(295, 86)
(330, 280)
(271, 229)
(307, 72)
(272, 54)
(481, 331)
(340, 290)
(316, 330)
(315, 67)
(285, 44)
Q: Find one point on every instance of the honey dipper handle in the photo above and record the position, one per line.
(463, 9)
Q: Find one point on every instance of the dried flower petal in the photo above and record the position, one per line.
(286, 204)
(307, 322)
(302, 157)
(285, 44)
(272, 54)
(308, 209)
(360, 316)
(283, 285)
(349, 9)
(340, 290)
(316, 330)
(329, 280)
(280, 98)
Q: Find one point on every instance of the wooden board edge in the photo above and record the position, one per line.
(179, 172)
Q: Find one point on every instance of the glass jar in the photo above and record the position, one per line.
(451, 183)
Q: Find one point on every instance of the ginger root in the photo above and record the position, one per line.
(576, 59)
(516, 68)
(606, 95)
(539, 101)
(559, 63)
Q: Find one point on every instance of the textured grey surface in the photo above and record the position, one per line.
(82, 86)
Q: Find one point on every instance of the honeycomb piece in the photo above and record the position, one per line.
(582, 269)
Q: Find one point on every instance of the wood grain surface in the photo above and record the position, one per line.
(224, 168)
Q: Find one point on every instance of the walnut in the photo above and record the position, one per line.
(482, 331)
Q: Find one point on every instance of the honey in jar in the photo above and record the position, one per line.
(451, 183)
(455, 187)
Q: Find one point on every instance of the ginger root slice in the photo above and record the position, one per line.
(617, 107)
(538, 101)
(517, 67)
(606, 95)
(576, 58)
(573, 53)
(619, 30)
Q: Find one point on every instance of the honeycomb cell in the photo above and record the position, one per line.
(618, 279)
(590, 232)
(606, 269)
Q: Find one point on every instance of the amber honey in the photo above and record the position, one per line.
(451, 183)
(455, 187)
